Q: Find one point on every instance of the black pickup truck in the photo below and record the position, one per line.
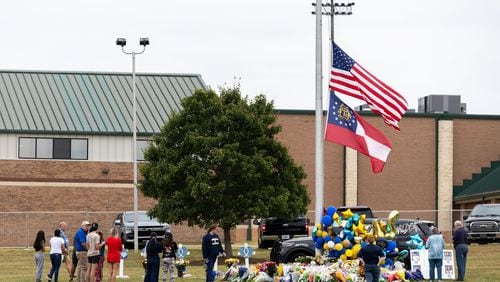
(272, 229)
(483, 224)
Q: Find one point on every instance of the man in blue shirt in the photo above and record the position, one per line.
(80, 242)
(211, 248)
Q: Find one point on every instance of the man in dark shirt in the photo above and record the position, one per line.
(461, 248)
(371, 256)
(211, 248)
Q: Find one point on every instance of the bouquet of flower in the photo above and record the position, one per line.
(268, 267)
(230, 261)
(181, 263)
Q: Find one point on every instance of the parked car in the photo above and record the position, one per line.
(125, 223)
(289, 250)
(274, 228)
(483, 223)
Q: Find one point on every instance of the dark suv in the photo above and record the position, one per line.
(483, 223)
(288, 251)
(274, 228)
(125, 223)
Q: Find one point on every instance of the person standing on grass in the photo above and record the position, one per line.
(39, 246)
(57, 248)
(100, 264)
(435, 244)
(115, 246)
(80, 242)
(153, 248)
(65, 260)
(168, 260)
(461, 248)
(93, 254)
(371, 257)
(211, 248)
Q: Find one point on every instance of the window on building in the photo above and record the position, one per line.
(44, 148)
(62, 148)
(79, 149)
(53, 148)
(142, 145)
(27, 148)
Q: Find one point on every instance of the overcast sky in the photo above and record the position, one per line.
(419, 47)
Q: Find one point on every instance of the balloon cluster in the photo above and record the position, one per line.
(347, 243)
(415, 242)
(341, 236)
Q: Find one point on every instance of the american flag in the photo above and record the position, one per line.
(349, 78)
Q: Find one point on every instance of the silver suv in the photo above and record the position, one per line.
(125, 223)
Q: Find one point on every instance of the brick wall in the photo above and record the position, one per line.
(408, 181)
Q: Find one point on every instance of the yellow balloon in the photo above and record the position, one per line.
(343, 257)
(362, 218)
(348, 253)
(318, 226)
(338, 247)
(324, 234)
(347, 214)
(325, 246)
(355, 250)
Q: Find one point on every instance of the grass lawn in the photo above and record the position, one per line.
(483, 263)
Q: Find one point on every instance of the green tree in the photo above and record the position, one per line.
(218, 161)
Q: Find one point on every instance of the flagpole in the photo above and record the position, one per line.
(319, 170)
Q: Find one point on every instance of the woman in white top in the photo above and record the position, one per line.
(56, 250)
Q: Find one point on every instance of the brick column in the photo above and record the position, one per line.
(445, 175)
(351, 177)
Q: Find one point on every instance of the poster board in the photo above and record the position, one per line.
(420, 260)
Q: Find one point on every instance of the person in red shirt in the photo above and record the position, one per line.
(114, 244)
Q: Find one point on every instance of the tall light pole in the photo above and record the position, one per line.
(143, 42)
(321, 9)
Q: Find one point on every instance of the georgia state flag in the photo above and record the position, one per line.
(346, 127)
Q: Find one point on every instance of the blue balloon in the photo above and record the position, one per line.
(320, 240)
(327, 220)
(337, 240)
(391, 245)
(319, 245)
(331, 210)
(389, 261)
(328, 238)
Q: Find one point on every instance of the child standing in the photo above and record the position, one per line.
(168, 259)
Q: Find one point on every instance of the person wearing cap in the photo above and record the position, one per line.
(93, 254)
(80, 242)
(211, 248)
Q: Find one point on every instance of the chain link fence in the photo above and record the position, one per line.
(18, 229)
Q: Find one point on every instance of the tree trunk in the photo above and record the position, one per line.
(227, 242)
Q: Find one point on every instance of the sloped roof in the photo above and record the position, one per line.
(482, 184)
(89, 102)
